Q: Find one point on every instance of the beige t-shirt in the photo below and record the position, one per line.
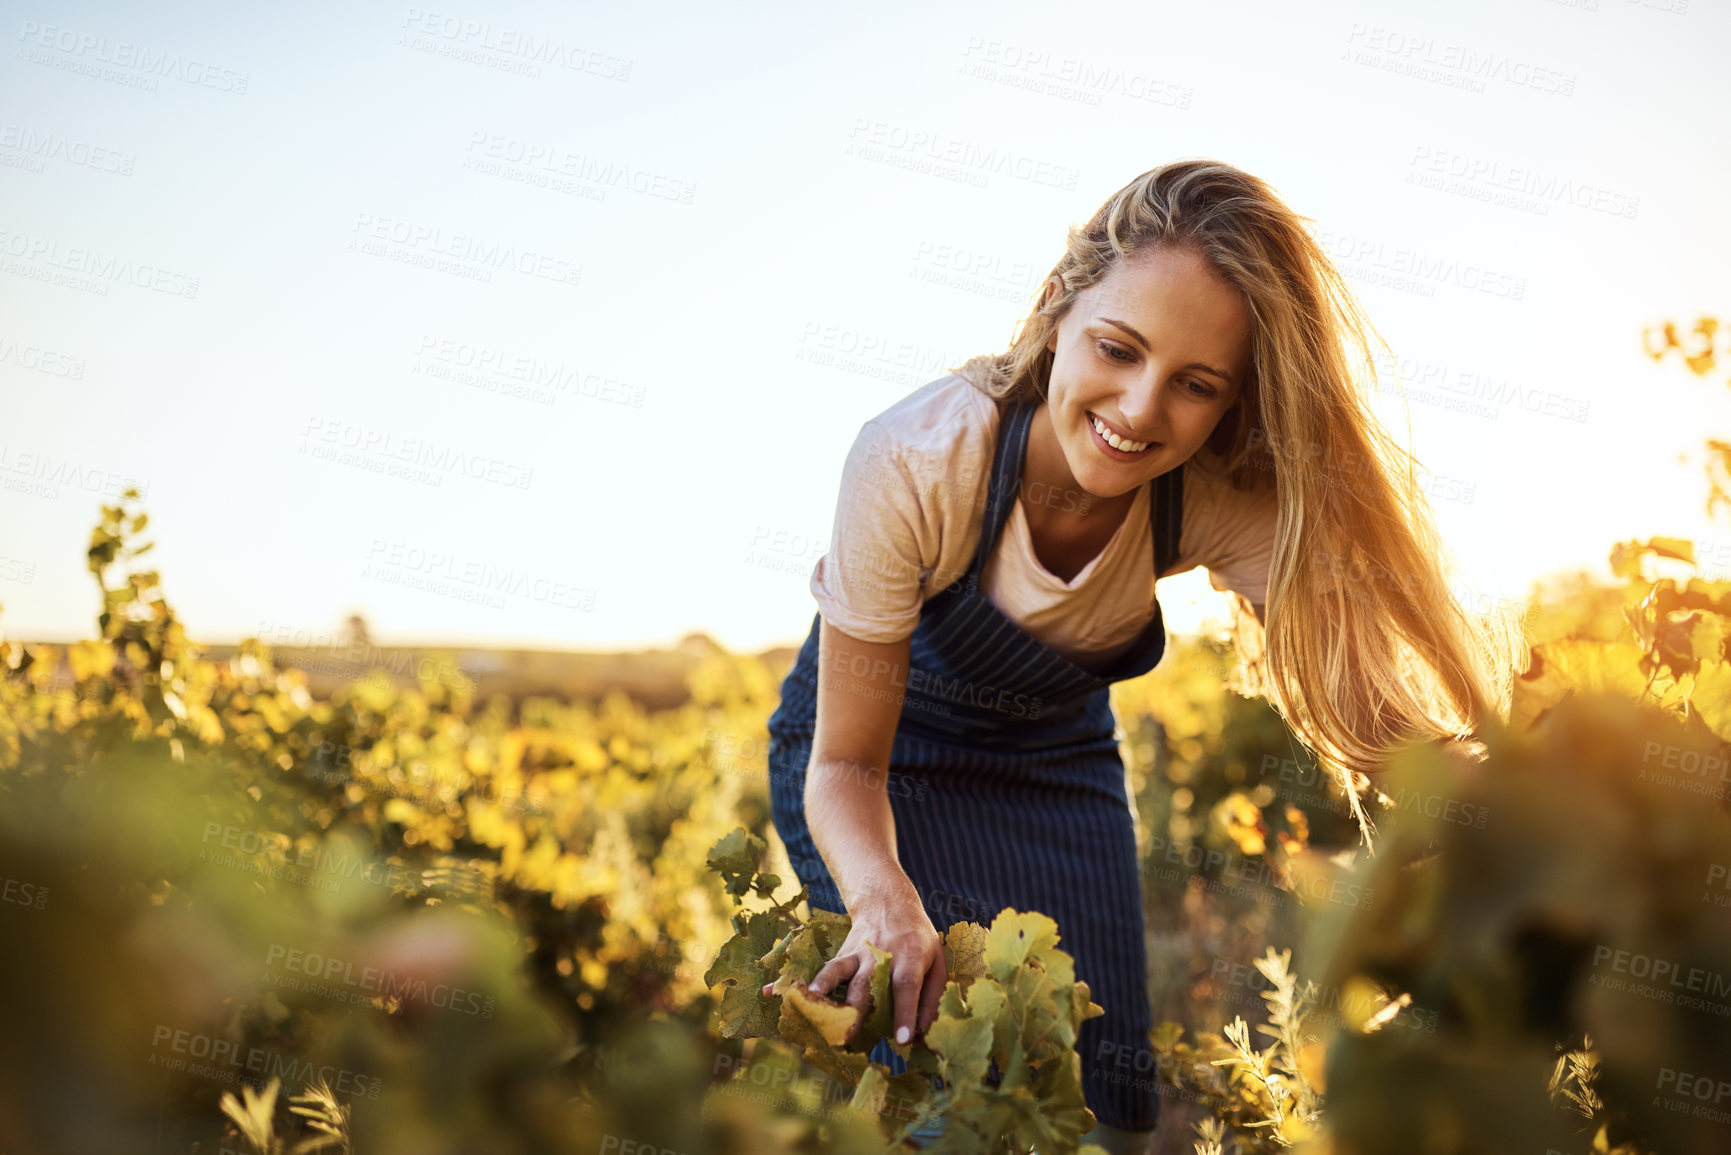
(908, 522)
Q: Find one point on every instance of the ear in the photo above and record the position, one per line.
(1053, 286)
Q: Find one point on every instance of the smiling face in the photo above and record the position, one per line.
(1158, 351)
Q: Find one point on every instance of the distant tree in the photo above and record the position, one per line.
(357, 631)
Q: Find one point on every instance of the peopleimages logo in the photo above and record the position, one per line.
(38, 146)
(1664, 980)
(983, 695)
(932, 684)
(104, 266)
(226, 1059)
(881, 140)
(370, 982)
(89, 50)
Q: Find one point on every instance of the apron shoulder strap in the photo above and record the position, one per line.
(1004, 481)
(1166, 511)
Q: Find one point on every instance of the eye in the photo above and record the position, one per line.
(1198, 389)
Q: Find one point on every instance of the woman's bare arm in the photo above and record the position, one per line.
(859, 700)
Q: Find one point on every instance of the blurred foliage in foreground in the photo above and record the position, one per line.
(481, 926)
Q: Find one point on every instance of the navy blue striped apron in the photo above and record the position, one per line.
(1008, 789)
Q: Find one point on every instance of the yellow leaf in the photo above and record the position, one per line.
(1712, 697)
(965, 951)
(1577, 665)
(830, 1021)
(821, 1028)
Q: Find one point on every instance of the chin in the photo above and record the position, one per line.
(1105, 485)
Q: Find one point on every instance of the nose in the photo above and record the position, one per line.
(1144, 408)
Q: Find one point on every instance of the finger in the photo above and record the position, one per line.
(906, 985)
(937, 977)
(835, 970)
(859, 992)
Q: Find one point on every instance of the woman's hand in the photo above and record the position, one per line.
(897, 923)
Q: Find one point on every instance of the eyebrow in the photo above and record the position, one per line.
(1143, 341)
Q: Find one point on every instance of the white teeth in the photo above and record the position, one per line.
(1117, 442)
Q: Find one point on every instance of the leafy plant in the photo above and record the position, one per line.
(998, 1066)
(255, 1119)
(205, 828)
(1267, 1100)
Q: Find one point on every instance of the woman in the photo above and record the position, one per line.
(1182, 394)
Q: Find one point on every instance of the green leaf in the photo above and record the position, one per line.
(736, 858)
(746, 1013)
(800, 955)
(1015, 938)
(868, 1097)
(963, 1033)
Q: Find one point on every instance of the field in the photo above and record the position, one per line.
(383, 915)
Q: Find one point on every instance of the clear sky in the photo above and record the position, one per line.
(550, 325)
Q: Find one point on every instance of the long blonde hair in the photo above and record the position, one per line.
(1366, 646)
